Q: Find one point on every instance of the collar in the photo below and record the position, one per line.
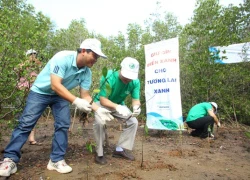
(75, 65)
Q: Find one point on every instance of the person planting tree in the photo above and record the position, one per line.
(122, 83)
(201, 117)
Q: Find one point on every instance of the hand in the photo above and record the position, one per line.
(136, 110)
(122, 110)
(104, 115)
(82, 105)
(218, 124)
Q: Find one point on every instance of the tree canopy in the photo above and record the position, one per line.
(21, 28)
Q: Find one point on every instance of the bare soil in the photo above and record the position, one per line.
(161, 155)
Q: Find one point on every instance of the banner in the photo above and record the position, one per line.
(162, 85)
(234, 53)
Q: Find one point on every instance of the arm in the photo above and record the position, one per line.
(85, 95)
(104, 114)
(107, 103)
(211, 113)
(56, 85)
(81, 104)
(136, 102)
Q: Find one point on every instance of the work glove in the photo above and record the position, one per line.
(104, 115)
(136, 110)
(218, 124)
(122, 110)
(82, 105)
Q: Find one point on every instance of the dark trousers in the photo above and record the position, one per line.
(201, 126)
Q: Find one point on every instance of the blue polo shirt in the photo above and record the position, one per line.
(62, 64)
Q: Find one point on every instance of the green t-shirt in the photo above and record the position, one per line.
(119, 90)
(198, 111)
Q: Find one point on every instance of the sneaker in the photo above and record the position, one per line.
(7, 167)
(59, 166)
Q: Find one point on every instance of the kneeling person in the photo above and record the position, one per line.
(200, 117)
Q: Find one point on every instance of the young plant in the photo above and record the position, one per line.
(89, 146)
(209, 130)
(145, 135)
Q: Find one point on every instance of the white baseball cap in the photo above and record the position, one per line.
(130, 68)
(94, 45)
(214, 105)
(31, 51)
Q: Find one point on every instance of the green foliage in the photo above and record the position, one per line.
(146, 130)
(71, 38)
(90, 145)
(20, 29)
(201, 80)
(247, 134)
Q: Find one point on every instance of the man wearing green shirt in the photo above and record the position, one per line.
(201, 117)
(122, 83)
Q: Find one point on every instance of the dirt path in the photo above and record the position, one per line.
(166, 155)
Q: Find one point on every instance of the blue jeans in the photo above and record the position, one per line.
(35, 105)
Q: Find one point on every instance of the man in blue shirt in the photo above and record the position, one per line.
(65, 71)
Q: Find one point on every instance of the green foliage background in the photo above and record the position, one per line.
(21, 28)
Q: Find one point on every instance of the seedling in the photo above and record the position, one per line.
(89, 146)
(145, 135)
(209, 130)
(247, 134)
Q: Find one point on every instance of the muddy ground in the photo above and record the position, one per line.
(162, 155)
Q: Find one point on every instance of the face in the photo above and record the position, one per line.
(87, 58)
(124, 79)
(214, 110)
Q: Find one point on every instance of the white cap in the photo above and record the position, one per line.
(214, 105)
(94, 45)
(30, 51)
(130, 68)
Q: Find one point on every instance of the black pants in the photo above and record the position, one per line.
(201, 126)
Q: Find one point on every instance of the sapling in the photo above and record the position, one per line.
(209, 130)
(247, 134)
(180, 136)
(145, 135)
(89, 146)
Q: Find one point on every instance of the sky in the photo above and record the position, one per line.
(108, 17)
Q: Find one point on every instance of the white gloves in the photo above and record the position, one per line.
(218, 124)
(136, 110)
(122, 110)
(82, 105)
(104, 115)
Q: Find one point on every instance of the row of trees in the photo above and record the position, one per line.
(211, 25)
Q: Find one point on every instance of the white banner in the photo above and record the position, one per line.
(162, 85)
(234, 53)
